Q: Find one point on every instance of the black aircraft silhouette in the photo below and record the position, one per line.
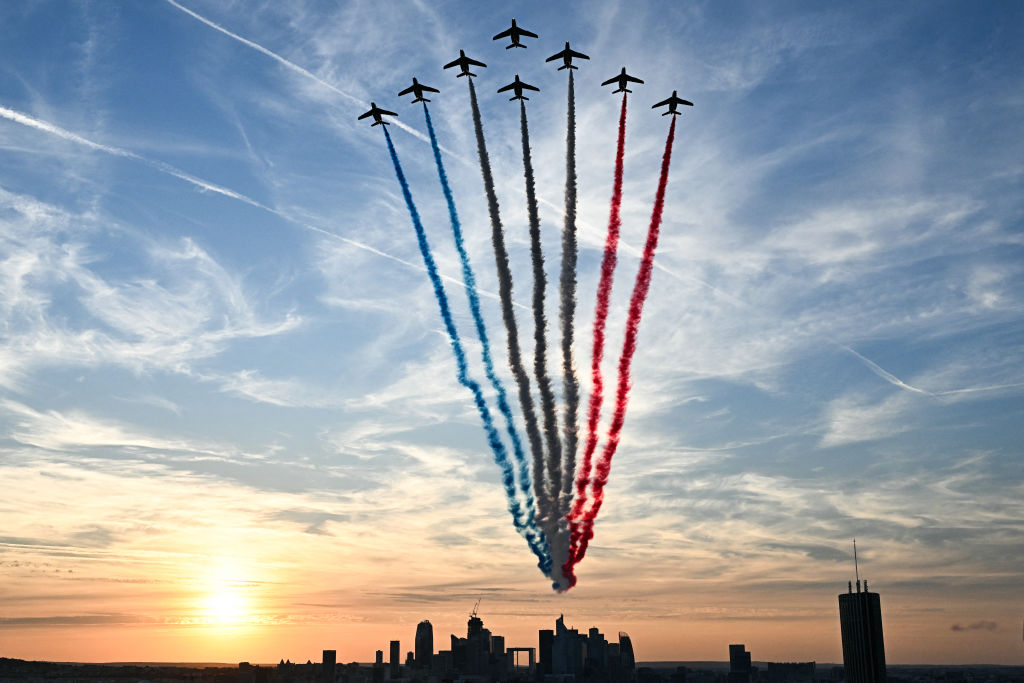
(672, 103)
(566, 56)
(418, 89)
(376, 112)
(622, 79)
(464, 62)
(518, 86)
(514, 33)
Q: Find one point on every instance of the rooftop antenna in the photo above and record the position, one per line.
(856, 569)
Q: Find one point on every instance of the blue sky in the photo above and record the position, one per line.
(222, 367)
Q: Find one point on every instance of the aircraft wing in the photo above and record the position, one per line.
(469, 60)
(428, 88)
(528, 34)
(363, 116)
(507, 87)
(635, 80)
(578, 54)
(504, 34)
(611, 80)
(382, 112)
(530, 87)
(558, 56)
(686, 102)
(408, 90)
(662, 103)
(453, 63)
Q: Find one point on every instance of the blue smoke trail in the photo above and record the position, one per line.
(537, 544)
(474, 304)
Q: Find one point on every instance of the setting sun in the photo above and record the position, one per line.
(225, 607)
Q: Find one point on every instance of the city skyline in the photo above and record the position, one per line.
(231, 426)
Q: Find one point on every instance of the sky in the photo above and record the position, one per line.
(230, 425)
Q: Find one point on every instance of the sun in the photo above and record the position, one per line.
(226, 606)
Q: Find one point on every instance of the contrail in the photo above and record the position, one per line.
(288, 64)
(567, 308)
(553, 459)
(882, 373)
(31, 122)
(636, 307)
(535, 540)
(515, 359)
(469, 278)
(207, 186)
(604, 289)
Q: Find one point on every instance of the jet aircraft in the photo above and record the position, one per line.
(514, 33)
(464, 62)
(418, 89)
(672, 103)
(566, 56)
(376, 112)
(622, 79)
(518, 86)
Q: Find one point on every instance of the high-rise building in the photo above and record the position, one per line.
(547, 638)
(860, 618)
(330, 658)
(739, 664)
(424, 644)
(396, 659)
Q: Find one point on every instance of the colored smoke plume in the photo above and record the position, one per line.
(523, 475)
(636, 307)
(604, 289)
(493, 439)
(553, 457)
(508, 315)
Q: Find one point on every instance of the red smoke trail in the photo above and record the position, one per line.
(584, 530)
(604, 289)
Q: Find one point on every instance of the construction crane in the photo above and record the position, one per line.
(476, 607)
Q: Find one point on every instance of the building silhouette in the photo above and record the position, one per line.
(740, 669)
(860, 618)
(567, 652)
(395, 659)
(424, 644)
(546, 641)
(330, 658)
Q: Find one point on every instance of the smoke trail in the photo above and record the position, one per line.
(636, 307)
(567, 313)
(508, 314)
(500, 456)
(604, 289)
(499, 388)
(567, 307)
(553, 464)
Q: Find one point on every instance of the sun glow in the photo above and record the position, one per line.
(227, 606)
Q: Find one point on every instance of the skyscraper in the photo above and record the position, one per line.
(546, 638)
(330, 658)
(860, 618)
(424, 644)
(396, 659)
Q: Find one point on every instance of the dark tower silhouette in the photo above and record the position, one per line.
(424, 644)
(395, 660)
(547, 639)
(330, 658)
(860, 618)
(626, 656)
(740, 669)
